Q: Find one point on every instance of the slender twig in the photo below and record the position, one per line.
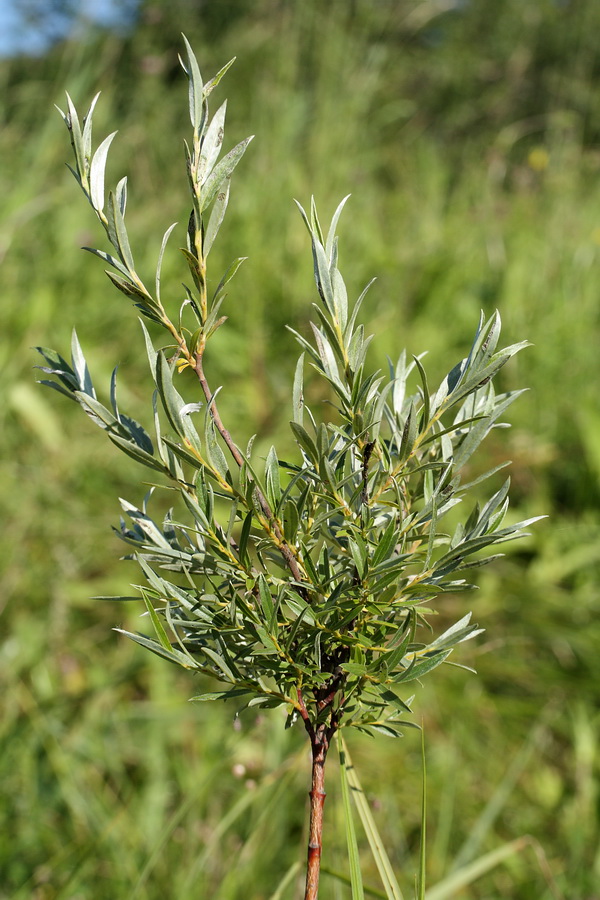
(284, 547)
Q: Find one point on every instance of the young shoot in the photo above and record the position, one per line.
(312, 587)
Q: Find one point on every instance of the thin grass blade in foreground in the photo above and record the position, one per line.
(467, 875)
(382, 860)
(353, 858)
(423, 842)
(287, 879)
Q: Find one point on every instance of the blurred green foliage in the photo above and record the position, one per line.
(467, 133)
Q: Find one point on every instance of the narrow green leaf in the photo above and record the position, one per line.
(211, 85)
(80, 367)
(182, 453)
(266, 599)
(328, 362)
(111, 260)
(298, 391)
(173, 655)
(422, 667)
(291, 521)
(150, 351)
(137, 453)
(214, 453)
(212, 143)
(56, 387)
(228, 276)
(221, 172)
(139, 297)
(161, 634)
(97, 169)
(426, 398)
(332, 228)
(322, 275)
(196, 94)
(409, 433)
(272, 481)
(216, 217)
(244, 537)
(220, 663)
(355, 311)
(117, 222)
(314, 221)
(163, 246)
(305, 441)
(222, 695)
(72, 120)
(172, 400)
(357, 669)
(87, 128)
(121, 195)
(385, 544)
(340, 298)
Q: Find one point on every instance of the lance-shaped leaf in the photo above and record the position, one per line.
(332, 228)
(272, 481)
(218, 295)
(221, 172)
(217, 214)
(174, 403)
(215, 455)
(80, 367)
(118, 233)
(87, 128)
(163, 247)
(211, 144)
(72, 122)
(97, 169)
(173, 655)
(422, 667)
(298, 391)
(211, 85)
(196, 91)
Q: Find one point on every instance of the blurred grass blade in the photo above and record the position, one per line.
(423, 847)
(285, 881)
(340, 876)
(382, 861)
(500, 796)
(449, 887)
(165, 836)
(355, 875)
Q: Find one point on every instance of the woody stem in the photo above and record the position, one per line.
(320, 745)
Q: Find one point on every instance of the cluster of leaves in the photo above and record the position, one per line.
(313, 589)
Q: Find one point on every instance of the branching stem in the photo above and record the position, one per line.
(284, 547)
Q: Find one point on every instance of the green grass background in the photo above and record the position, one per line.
(468, 135)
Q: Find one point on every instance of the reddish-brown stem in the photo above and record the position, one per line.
(320, 736)
(199, 369)
(317, 801)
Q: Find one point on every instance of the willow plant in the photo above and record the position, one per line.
(305, 585)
